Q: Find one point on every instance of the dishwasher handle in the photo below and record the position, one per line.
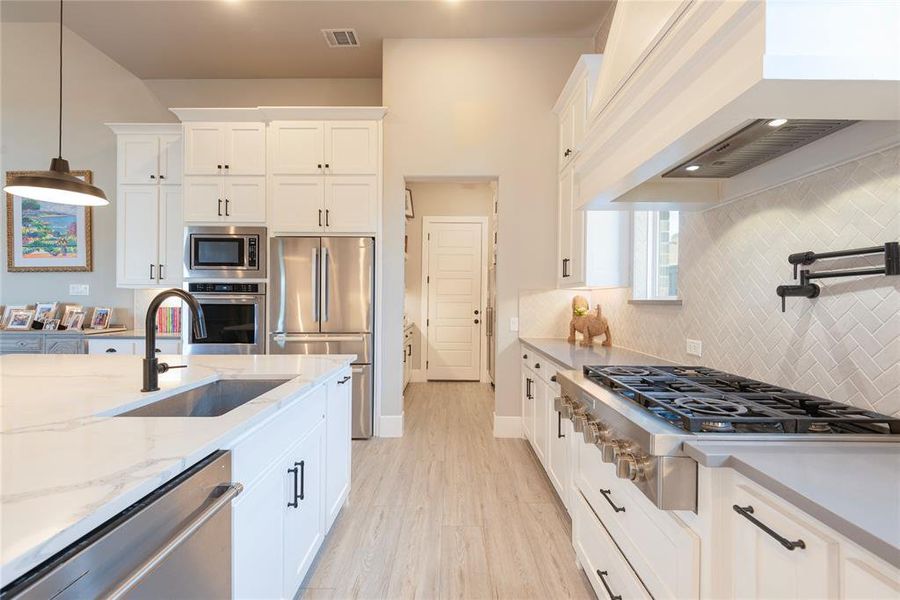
(145, 568)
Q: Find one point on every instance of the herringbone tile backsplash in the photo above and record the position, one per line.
(844, 345)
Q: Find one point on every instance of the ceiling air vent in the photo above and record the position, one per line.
(758, 142)
(341, 38)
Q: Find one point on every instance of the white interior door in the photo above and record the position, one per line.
(454, 317)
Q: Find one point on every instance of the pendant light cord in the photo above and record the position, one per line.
(60, 75)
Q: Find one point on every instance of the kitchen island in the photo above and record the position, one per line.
(69, 464)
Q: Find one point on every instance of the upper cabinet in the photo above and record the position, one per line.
(323, 148)
(225, 148)
(351, 147)
(149, 221)
(571, 123)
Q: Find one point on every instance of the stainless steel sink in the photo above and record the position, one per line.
(210, 400)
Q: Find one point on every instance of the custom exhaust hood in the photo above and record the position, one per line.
(755, 144)
(721, 100)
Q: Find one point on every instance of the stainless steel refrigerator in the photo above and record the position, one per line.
(322, 301)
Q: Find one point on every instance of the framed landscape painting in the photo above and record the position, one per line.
(43, 236)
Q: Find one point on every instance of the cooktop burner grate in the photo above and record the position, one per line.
(699, 399)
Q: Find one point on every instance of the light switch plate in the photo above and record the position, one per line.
(694, 347)
(514, 323)
(79, 289)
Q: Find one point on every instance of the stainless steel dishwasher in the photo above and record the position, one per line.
(173, 543)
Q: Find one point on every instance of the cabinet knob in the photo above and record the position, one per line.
(154, 177)
(319, 166)
(218, 166)
(110, 350)
(327, 166)
(525, 356)
(537, 365)
(161, 176)
(226, 166)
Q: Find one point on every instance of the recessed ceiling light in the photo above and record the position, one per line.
(692, 168)
(777, 122)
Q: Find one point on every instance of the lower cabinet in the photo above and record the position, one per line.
(131, 346)
(528, 404)
(280, 520)
(558, 453)
(540, 393)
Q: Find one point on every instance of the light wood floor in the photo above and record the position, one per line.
(448, 511)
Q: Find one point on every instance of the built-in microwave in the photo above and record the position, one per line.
(212, 252)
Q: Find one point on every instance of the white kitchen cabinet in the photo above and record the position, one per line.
(571, 123)
(570, 233)
(351, 203)
(303, 525)
(865, 577)
(148, 159)
(338, 434)
(149, 221)
(528, 404)
(130, 346)
(224, 199)
(258, 537)
(225, 148)
(558, 460)
(297, 204)
(296, 148)
(541, 418)
(351, 147)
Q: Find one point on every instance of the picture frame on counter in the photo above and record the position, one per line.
(77, 321)
(45, 310)
(45, 236)
(7, 312)
(51, 324)
(69, 312)
(20, 319)
(101, 317)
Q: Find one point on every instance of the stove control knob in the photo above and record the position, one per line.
(610, 450)
(631, 465)
(569, 408)
(559, 402)
(592, 431)
(579, 419)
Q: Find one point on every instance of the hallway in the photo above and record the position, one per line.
(448, 511)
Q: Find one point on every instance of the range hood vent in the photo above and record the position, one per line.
(758, 142)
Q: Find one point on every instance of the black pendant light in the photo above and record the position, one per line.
(58, 184)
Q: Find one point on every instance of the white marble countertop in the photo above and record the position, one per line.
(64, 470)
(854, 488)
(574, 356)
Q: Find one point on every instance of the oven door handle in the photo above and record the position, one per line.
(145, 568)
(245, 299)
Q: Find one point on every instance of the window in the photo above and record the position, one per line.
(655, 268)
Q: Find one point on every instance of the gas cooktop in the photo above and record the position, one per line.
(699, 399)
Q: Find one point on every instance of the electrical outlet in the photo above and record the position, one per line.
(79, 289)
(514, 323)
(694, 347)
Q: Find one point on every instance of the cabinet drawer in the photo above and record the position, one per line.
(171, 346)
(606, 568)
(254, 452)
(112, 346)
(21, 344)
(662, 549)
(64, 345)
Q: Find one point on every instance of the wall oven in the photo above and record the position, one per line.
(212, 252)
(235, 315)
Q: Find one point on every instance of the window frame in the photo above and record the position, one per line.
(650, 256)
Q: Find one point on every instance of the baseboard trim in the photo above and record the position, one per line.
(418, 376)
(507, 427)
(391, 426)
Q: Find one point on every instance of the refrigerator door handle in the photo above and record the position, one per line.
(302, 337)
(315, 283)
(325, 277)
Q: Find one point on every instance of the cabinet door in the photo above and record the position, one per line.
(351, 147)
(761, 567)
(245, 199)
(351, 204)
(204, 148)
(108, 346)
(566, 135)
(257, 535)
(296, 148)
(171, 235)
(303, 519)
(337, 438)
(245, 149)
(528, 382)
(558, 466)
(204, 199)
(866, 577)
(138, 224)
(564, 228)
(541, 418)
(297, 204)
(138, 157)
(579, 114)
(170, 159)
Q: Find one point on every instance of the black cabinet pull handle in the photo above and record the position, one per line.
(565, 267)
(553, 378)
(537, 365)
(226, 166)
(319, 166)
(747, 513)
(606, 494)
(327, 166)
(161, 276)
(161, 176)
(528, 393)
(227, 201)
(151, 270)
(603, 575)
(218, 166)
(327, 215)
(110, 350)
(302, 465)
(525, 356)
(220, 207)
(345, 379)
(153, 177)
(559, 433)
(320, 217)
(294, 503)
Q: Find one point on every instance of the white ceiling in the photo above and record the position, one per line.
(206, 39)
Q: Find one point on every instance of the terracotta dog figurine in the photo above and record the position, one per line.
(589, 324)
